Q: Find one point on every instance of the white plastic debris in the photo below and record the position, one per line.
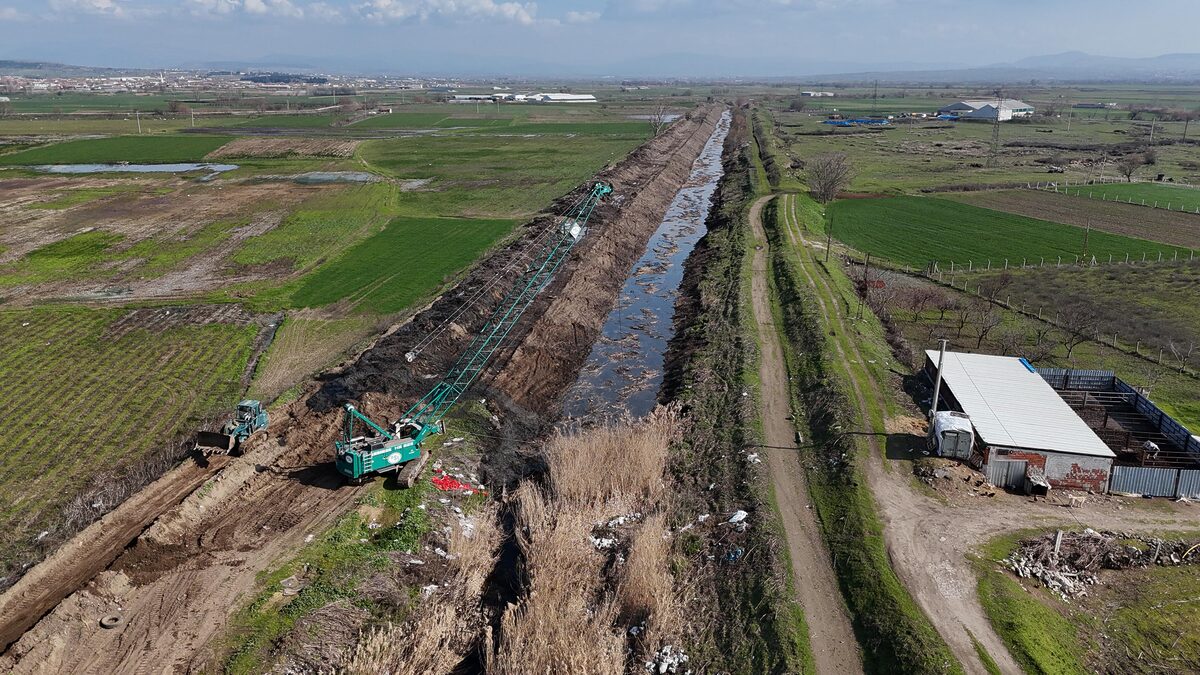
(738, 517)
(42, 535)
(428, 590)
(309, 538)
(603, 543)
(702, 517)
(415, 561)
(373, 526)
(457, 439)
(753, 458)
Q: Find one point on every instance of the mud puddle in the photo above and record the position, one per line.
(624, 370)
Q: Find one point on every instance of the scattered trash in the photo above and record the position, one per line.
(309, 538)
(42, 535)
(622, 520)
(753, 458)
(373, 526)
(702, 517)
(735, 555)
(668, 659)
(427, 591)
(448, 483)
(738, 517)
(603, 543)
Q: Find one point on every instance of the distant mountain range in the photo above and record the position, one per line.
(1064, 67)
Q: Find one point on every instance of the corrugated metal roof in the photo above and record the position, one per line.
(1011, 405)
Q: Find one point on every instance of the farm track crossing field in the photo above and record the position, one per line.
(918, 230)
(288, 122)
(1168, 227)
(1174, 197)
(78, 401)
(133, 149)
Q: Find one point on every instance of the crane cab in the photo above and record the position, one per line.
(387, 450)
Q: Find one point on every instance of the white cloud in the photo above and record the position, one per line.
(582, 17)
(323, 11)
(273, 8)
(106, 7)
(11, 14)
(454, 10)
(215, 6)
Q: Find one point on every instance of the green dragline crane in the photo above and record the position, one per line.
(385, 449)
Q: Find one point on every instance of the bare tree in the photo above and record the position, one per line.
(659, 118)
(944, 302)
(1077, 325)
(1010, 341)
(989, 318)
(991, 288)
(1128, 165)
(1183, 356)
(1150, 157)
(797, 105)
(962, 317)
(828, 175)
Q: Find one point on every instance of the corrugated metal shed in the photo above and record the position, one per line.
(1011, 405)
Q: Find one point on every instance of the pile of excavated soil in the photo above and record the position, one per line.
(176, 585)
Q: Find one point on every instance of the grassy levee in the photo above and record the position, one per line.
(894, 633)
(758, 629)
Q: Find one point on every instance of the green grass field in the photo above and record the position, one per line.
(78, 401)
(403, 263)
(133, 149)
(917, 230)
(483, 176)
(1174, 197)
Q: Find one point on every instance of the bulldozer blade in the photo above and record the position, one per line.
(215, 441)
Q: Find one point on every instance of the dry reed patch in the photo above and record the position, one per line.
(623, 460)
(428, 644)
(475, 545)
(646, 594)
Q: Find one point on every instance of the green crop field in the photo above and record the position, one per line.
(918, 230)
(405, 262)
(401, 120)
(1173, 197)
(80, 399)
(478, 175)
(133, 149)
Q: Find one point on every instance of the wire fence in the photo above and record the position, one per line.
(1095, 189)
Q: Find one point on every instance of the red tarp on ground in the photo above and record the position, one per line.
(448, 483)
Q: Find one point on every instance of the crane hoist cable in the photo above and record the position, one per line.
(385, 448)
(522, 257)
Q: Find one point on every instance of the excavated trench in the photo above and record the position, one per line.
(624, 371)
(181, 576)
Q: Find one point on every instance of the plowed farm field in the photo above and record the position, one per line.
(87, 395)
(1130, 220)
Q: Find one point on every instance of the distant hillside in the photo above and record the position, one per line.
(50, 69)
(1064, 67)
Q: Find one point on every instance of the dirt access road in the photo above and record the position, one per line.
(834, 646)
(176, 584)
(928, 541)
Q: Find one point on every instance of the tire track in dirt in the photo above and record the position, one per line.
(941, 581)
(834, 647)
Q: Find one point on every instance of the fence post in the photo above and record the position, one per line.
(1006, 263)
(1126, 258)
(1109, 258)
(989, 264)
(1060, 261)
(1160, 256)
(1137, 348)
(970, 265)
(1143, 256)
(1043, 262)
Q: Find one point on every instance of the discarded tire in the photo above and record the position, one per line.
(112, 621)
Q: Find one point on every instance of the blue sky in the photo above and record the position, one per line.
(594, 36)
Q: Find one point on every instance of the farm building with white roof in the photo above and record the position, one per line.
(988, 109)
(1020, 422)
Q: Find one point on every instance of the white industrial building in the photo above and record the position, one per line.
(1022, 426)
(563, 98)
(988, 109)
(816, 94)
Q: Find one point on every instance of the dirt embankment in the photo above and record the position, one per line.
(176, 585)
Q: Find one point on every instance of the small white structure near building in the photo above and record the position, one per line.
(1021, 424)
(816, 94)
(988, 109)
